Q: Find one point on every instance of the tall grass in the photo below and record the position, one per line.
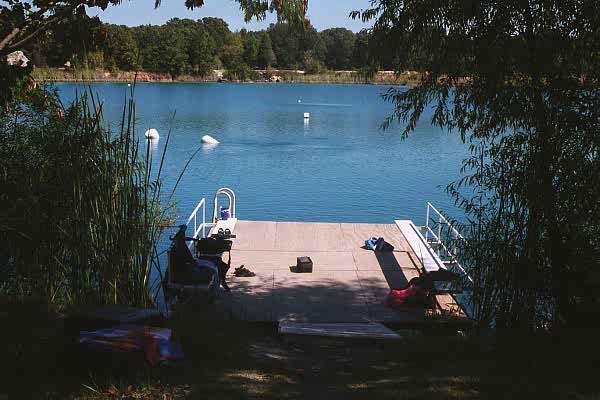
(81, 210)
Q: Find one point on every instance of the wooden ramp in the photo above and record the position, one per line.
(349, 284)
(351, 331)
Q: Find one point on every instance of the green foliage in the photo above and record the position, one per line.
(185, 46)
(241, 72)
(181, 46)
(339, 44)
(312, 65)
(361, 53)
(266, 55)
(289, 43)
(519, 81)
(121, 48)
(81, 211)
(251, 49)
(232, 52)
(173, 57)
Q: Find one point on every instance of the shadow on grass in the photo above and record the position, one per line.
(235, 360)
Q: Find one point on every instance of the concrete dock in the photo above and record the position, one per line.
(348, 283)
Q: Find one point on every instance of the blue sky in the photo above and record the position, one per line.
(322, 13)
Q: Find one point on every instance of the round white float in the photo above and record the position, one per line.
(209, 140)
(306, 115)
(152, 134)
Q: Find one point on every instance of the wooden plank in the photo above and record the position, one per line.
(348, 285)
(325, 296)
(431, 262)
(255, 235)
(265, 259)
(342, 330)
(309, 236)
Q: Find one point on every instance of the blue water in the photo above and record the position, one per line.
(337, 167)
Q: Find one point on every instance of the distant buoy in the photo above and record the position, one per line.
(306, 115)
(152, 134)
(209, 140)
(299, 101)
(129, 85)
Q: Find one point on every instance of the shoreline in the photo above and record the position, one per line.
(57, 75)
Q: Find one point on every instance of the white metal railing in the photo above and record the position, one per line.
(201, 228)
(447, 250)
(232, 204)
(199, 232)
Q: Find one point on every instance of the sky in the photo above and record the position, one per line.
(323, 14)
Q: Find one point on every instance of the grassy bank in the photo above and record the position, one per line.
(408, 78)
(89, 75)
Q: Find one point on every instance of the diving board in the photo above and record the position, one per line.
(430, 260)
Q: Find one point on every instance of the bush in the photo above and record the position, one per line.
(242, 72)
(80, 213)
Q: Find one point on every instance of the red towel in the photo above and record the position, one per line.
(409, 299)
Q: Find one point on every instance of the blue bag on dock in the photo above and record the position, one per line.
(224, 213)
(370, 243)
(378, 244)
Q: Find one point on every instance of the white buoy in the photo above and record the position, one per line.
(209, 140)
(129, 85)
(306, 115)
(152, 134)
(299, 101)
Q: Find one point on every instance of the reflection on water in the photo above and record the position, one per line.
(153, 145)
(208, 147)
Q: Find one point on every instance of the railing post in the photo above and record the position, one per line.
(204, 220)
(440, 234)
(427, 225)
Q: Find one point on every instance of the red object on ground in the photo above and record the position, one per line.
(409, 299)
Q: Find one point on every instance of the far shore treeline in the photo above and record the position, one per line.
(197, 47)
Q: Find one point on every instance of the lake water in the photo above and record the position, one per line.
(339, 166)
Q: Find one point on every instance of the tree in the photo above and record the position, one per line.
(148, 35)
(22, 21)
(266, 56)
(202, 51)
(360, 53)
(518, 80)
(218, 29)
(173, 51)
(251, 48)
(290, 42)
(311, 64)
(339, 44)
(232, 52)
(121, 47)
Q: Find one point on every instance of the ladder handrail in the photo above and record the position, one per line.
(201, 204)
(232, 203)
(450, 249)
